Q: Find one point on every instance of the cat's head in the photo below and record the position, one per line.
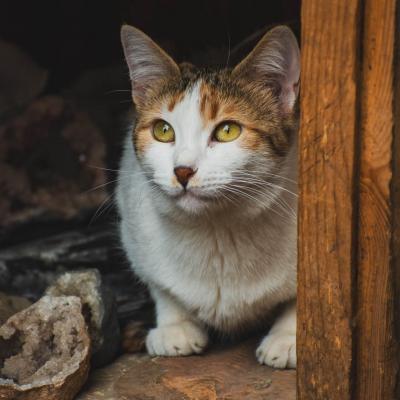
(209, 139)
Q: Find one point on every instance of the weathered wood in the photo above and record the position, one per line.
(349, 217)
(395, 186)
(377, 360)
(326, 209)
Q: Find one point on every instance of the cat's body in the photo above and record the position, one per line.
(227, 271)
(209, 226)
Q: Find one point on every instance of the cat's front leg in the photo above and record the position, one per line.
(278, 348)
(176, 333)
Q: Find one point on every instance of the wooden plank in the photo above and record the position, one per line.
(395, 186)
(327, 211)
(349, 211)
(377, 359)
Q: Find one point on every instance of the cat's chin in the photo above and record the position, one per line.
(193, 203)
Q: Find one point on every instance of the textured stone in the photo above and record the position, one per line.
(230, 373)
(99, 308)
(29, 268)
(44, 351)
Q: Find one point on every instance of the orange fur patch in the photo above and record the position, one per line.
(142, 135)
(251, 140)
(264, 128)
(210, 102)
(174, 99)
(143, 138)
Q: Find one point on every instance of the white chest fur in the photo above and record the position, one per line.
(228, 272)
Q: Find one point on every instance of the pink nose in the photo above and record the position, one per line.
(183, 174)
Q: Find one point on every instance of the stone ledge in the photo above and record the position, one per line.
(228, 373)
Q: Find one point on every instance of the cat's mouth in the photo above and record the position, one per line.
(193, 201)
(194, 194)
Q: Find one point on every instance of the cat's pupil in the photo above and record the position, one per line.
(226, 128)
(165, 128)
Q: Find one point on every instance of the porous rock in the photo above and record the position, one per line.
(99, 308)
(44, 351)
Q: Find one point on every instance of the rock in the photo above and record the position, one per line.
(21, 80)
(51, 156)
(223, 372)
(10, 305)
(99, 308)
(44, 351)
(29, 268)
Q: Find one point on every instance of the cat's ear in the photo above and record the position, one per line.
(147, 62)
(275, 62)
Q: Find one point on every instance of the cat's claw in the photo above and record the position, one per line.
(278, 350)
(180, 339)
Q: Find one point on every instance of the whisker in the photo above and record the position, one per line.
(239, 190)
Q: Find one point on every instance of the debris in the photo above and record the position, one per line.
(44, 351)
(99, 308)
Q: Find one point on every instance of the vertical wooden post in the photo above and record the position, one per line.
(375, 347)
(395, 187)
(327, 213)
(346, 316)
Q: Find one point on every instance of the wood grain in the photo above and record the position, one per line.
(395, 185)
(327, 209)
(349, 212)
(377, 359)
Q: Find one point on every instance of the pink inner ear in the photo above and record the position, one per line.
(276, 59)
(288, 97)
(147, 62)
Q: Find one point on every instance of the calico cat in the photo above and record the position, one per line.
(207, 194)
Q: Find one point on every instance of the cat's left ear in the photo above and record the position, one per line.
(147, 62)
(275, 62)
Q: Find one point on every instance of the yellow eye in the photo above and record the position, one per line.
(227, 131)
(163, 132)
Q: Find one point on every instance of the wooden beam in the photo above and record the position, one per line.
(347, 347)
(375, 347)
(326, 207)
(395, 187)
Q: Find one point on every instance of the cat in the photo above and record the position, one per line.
(207, 194)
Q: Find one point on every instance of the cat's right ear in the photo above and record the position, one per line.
(147, 62)
(275, 62)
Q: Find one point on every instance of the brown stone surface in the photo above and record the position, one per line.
(44, 351)
(227, 373)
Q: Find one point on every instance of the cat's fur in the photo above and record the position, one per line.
(221, 253)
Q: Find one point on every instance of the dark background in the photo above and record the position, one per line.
(70, 36)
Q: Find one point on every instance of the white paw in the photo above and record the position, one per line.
(278, 350)
(176, 340)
